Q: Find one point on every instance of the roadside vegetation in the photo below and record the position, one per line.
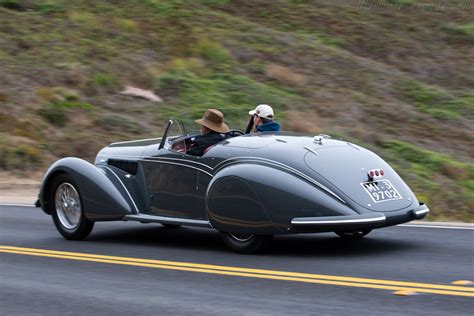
(398, 82)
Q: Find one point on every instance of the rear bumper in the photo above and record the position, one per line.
(357, 222)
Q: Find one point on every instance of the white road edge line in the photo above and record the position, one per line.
(15, 204)
(436, 226)
(401, 225)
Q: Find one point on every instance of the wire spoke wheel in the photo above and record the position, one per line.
(67, 209)
(68, 205)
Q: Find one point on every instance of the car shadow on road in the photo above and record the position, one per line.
(185, 238)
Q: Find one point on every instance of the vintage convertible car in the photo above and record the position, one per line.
(249, 187)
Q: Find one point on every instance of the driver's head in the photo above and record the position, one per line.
(212, 120)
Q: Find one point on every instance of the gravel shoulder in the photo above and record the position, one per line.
(19, 189)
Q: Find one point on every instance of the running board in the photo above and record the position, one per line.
(167, 220)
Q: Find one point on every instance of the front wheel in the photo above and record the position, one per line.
(354, 234)
(67, 212)
(246, 243)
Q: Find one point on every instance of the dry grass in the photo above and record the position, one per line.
(284, 75)
(302, 122)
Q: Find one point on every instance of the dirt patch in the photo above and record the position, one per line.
(17, 189)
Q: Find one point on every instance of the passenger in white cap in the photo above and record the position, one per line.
(263, 119)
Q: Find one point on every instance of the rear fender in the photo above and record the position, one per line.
(103, 196)
(260, 199)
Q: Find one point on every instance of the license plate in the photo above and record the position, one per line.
(381, 191)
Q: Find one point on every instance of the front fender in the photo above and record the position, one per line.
(101, 193)
(261, 199)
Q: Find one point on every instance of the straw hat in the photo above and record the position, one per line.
(214, 120)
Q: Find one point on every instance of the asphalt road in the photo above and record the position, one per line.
(69, 283)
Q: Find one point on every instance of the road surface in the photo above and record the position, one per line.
(128, 267)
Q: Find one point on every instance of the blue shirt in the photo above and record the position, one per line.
(269, 127)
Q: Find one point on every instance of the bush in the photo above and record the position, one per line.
(213, 51)
(18, 156)
(119, 123)
(56, 111)
(126, 25)
(465, 31)
(105, 80)
(49, 7)
(436, 102)
(11, 4)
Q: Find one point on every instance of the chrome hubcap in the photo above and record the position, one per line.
(68, 205)
(241, 237)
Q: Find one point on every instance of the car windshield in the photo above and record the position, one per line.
(174, 131)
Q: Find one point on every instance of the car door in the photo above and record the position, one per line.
(171, 178)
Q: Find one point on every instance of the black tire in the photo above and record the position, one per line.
(171, 226)
(354, 234)
(246, 243)
(69, 220)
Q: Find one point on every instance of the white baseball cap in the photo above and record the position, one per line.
(263, 110)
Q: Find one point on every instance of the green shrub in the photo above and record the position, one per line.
(330, 40)
(19, 156)
(429, 162)
(465, 31)
(213, 51)
(105, 80)
(119, 123)
(437, 102)
(400, 2)
(126, 25)
(214, 2)
(163, 7)
(49, 7)
(57, 112)
(11, 4)
(84, 18)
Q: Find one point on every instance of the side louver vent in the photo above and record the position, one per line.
(125, 165)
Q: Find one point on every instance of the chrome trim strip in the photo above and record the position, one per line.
(278, 164)
(178, 164)
(353, 146)
(311, 150)
(126, 190)
(423, 211)
(163, 219)
(295, 221)
(177, 159)
(134, 141)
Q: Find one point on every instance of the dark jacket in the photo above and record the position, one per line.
(202, 142)
(269, 127)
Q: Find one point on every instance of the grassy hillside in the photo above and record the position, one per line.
(396, 78)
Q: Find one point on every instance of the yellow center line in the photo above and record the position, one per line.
(245, 272)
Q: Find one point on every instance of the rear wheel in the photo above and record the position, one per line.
(354, 234)
(246, 243)
(67, 211)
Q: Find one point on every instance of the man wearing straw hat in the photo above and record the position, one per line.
(212, 125)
